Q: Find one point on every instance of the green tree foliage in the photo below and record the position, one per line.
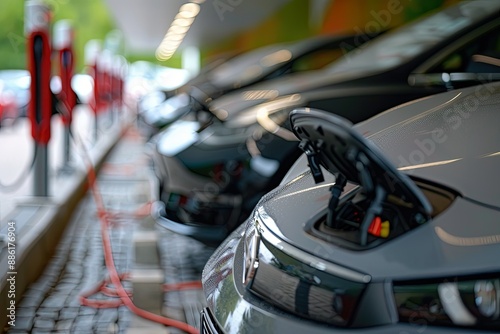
(13, 43)
(90, 18)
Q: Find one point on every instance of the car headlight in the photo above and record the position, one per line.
(151, 100)
(166, 111)
(486, 297)
(296, 281)
(178, 137)
(464, 302)
(220, 266)
(174, 107)
(250, 251)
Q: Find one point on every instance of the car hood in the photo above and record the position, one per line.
(451, 139)
(229, 106)
(438, 248)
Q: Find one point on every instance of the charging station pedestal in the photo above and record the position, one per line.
(63, 42)
(37, 23)
(92, 54)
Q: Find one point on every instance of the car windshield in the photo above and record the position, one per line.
(395, 48)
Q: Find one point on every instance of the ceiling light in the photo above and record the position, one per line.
(183, 21)
(189, 10)
(174, 37)
(178, 29)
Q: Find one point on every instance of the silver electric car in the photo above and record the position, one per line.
(388, 226)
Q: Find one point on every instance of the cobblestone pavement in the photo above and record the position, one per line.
(52, 303)
(183, 262)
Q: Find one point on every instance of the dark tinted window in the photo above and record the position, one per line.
(480, 56)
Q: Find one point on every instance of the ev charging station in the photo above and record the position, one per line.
(115, 86)
(37, 30)
(92, 54)
(63, 42)
(105, 62)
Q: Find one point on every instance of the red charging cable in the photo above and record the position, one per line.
(115, 278)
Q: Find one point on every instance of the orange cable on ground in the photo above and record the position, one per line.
(192, 285)
(114, 277)
(104, 289)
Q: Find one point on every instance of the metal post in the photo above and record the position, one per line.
(37, 21)
(106, 65)
(40, 170)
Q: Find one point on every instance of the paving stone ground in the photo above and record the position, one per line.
(52, 304)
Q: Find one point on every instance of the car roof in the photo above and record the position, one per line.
(452, 139)
(259, 62)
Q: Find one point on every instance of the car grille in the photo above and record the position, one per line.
(208, 324)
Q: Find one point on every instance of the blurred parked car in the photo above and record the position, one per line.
(9, 109)
(83, 85)
(213, 172)
(145, 79)
(14, 93)
(160, 109)
(354, 244)
(149, 103)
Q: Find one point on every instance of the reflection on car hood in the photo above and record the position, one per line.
(451, 139)
(240, 100)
